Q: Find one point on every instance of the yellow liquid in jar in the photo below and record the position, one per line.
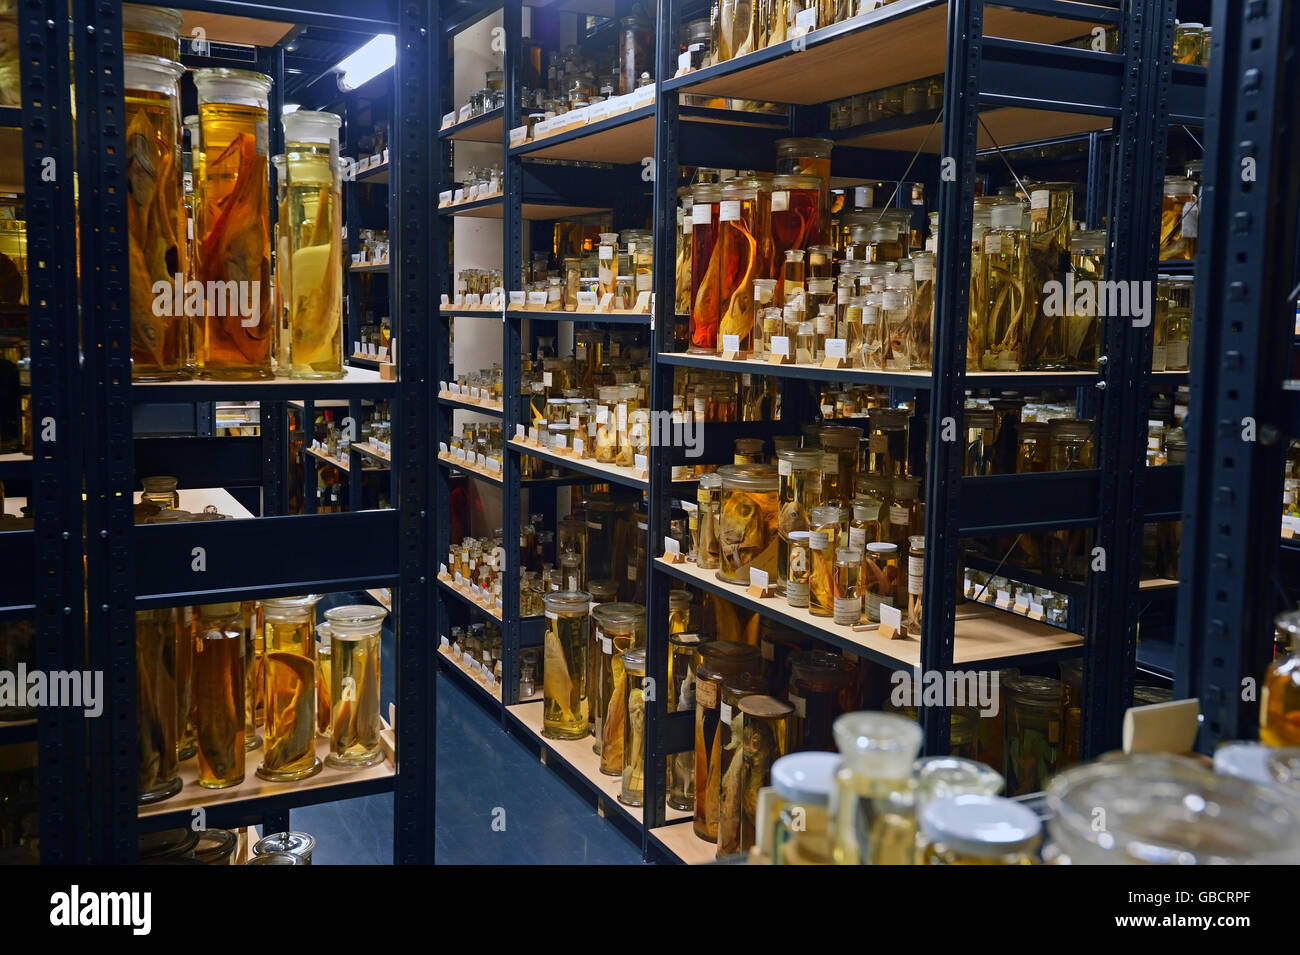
(354, 699)
(874, 822)
(289, 666)
(316, 263)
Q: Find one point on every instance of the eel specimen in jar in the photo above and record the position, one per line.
(707, 302)
(221, 718)
(157, 724)
(290, 732)
(729, 799)
(738, 319)
(611, 730)
(356, 717)
(316, 304)
(557, 683)
(152, 250)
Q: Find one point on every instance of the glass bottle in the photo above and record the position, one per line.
(1178, 322)
(747, 522)
(254, 674)
(802, 829)
(1189, 40)
(812, 157)
(607, 258)
(823, 541)
(1006, 289)
(1033, 732)
(819, 262)
(682, 649)
(732, 743)
(881, 570)
(904, 512)
(797, 219)
(156, 221)
(219, 694)
(1051, 214)
(615, 628)
(874, 822)
(739, 263)
(564, 669)
(922, 321)
(706, 268)
(708, 555)
(714, 662)
(632, 747)
(887, 441)
(798, 569)
(974, 829)
(1179, 219)
(1279, 701)
(354, 633)
(289, 665)
(314, 200)
(232, 224)
(792, 277)
(897, 336)
(153, 31)
(156, 704)
(847, 589)
(161, 491)
(915, 577)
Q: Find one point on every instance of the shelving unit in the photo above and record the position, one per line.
(136, 567)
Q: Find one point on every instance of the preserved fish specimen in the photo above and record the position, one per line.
(706, 268)
(289, 663)
(1006, 289)
(354, 685)
(156, 710)
(874, 824)
(156, 225)
(740, 264)
(1179, 219)
(747, 532)
(315, 232)
(708, 555)
(632, 745)
(923, 308)
(232, 224)
(1051, 212)
(615, 628)
(681, 699)
(799, 490)
(714, 662)
(822, 540)
(731, 789)
(219, 689)
(898, 334)
(564, 667)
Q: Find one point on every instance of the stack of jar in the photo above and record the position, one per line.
(904, 99)
(1192, 43)
(987, 588)
(485, 385)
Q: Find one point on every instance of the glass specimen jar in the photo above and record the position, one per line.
(156, 704)
(254, 677)
(749, 451)
(792, 277)
(740, 264)
(323, 657)
(915, 579)
(607, 267)
(839, 466)
(219, 694)
(1179, 219)
(1033, 732)
(816, 681)
(873, 817)
(632, 748)
(1071, 444)
(978, 424)
(941, 777)
(1189, 43)
(354, 685)
(904, 512)
(714, 662)
(615, 628)
(315, 234)
(1178, 322)
(679, 611)
(897, 336)
(802, 828)
(733, 29)
(887, 441)
(635, 43)
(232, 224)
(798, 218)
(735, 688)
(682, 649)
(1082, 325)
(804, 156)
(706, 268)
(1034, 454)
(798, 569)
(1162, 809)
(747, 521)
(708, 555)
(161, 491)
(847, 586)
(156, 221)
(289, 664)
(1279, 701)
(152, 31)
(799, 489)
(823, 540)
(881, 572)
(1006, 289)
(564, 668)
(1051, 214)
(974, 829)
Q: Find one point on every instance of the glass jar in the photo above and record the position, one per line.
(803, 156)
(354, 632)
(254, 673)
(151, 31)
(732, 793)
(1051, 214)
(1189, 43)
(161, 491)
(635, 43)
(798, 221)
(802, 827)
(156, 218)
(881, 566)
(816, 680)
(873, 817)
(1033, 732)
(1178, 322)
(740, 265)
(942, 777)
(708, 555)
(706, 268)
(799, 490)
(156, 704)
(232, 225)
(219, 694)
(761, 732)
(607, 259)
(979, 830)
(1279, 701)
(679, 611)
(823, 540)
(714, 662)
(1179, 219)
(1082, 324)
(1035, 452)
(978, 425)
(289, 665)
(887, 441)
(615, 628)
(1162, 809)
(747, 522)
(905, 511)
(1071, 444)
(682, 649)
(915, 581)
(839, 467)
(632, 746)
(314, 201)
(1005, 277)
(847, 586)
(564, 668)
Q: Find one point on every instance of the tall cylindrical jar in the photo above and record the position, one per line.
(354, 685)
(254, 687)
(747, 528)
(283, 269)
(681, 699)
(615, 628)
(185, 715)
(156, 223)
(232, 225)
(706, 268)
(731, 790)
(219, 691)
(632, 749)
(707, 554)
(156, 706)
(741, 264)
(714, 662)
(564, 667)
(799, 490)
(289, 665)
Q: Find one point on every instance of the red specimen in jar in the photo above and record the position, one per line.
(705, 283)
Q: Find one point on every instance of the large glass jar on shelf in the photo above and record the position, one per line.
(219, 694)
(632, 748)
(152, 31)
(740, 265)
(799, 491)
(1006, 289)
(1033, 732)
(747, 521)
(873, 815)
(816, 681)
(156, 704)
(156, 223)
(314, 202)
(289, 664)
(1179, 219)
(715, 661)
(1051, 214)
(615, 628)
(839, 445)
(706, 268)
(635, 47)
(1082, 324)
(682, 649)
(564, 666)
(232, 224)
(735, 688)
(806, 156)
(354, 685)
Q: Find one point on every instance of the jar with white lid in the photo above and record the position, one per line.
(974, 829)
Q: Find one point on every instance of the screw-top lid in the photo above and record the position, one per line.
(982, 826)
(882, 549)
(805, 777)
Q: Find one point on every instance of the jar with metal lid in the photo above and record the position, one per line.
(615, 628)
(747, 521)
(1179, 219)
(714, 662)
(823, 540)
(816, 679)
(300, 845)
(632, 747)
(156, 703)
(887, 441)
(709, 495)
(564, 672)
(1033, 732)
(873, 821)
(799, 490)
(289, 665)
(802, 826)
(732, 793)
(275, 858)
(218, 643)
(847, 586)
(975, 829)
(681, 699)
(839, 445)
(1162, 809)
(354, 640)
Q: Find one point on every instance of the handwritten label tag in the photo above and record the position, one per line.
(672, 550)
(891, 622)
(759, 584)
(642, 303)
(536, 299)
(606, 301)
(1004, 600)
(1036, 611)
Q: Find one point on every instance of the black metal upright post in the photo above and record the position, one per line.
(271, 414)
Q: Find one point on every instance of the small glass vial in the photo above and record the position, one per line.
(733, 768)
(564, 671)
(219, 694)
(873, 818)
(798, 569)
(802, 829)
(354, 633)
(847, 594)
(979, 830)
(290, 675)
(915, 578)
(634, 737)
(822, 541)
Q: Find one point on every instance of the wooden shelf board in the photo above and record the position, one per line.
(450, 583)
(195, 499)
(477, 129)
(380, 596)
(490, 476)
(585, 465)
(1007, 126)
(680, 839)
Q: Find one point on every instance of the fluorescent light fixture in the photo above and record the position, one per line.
(368, 62)
(290, 108)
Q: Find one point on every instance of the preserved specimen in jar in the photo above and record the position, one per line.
(289, 663)
(219, 692)
(156, 709)
(731, 789)
(564, 667)
(681, 699)
(632, 748)
(706, 268)
(1006, 284)
(740, 264)
(873, 821)
(1051, 214)
(714, 662)
(1179, 219)
(747, 531)
(354, 685)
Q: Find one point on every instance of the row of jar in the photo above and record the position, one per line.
(739, 28)
(599, 358)
(486, 383)
(209, 677)
(902, 99)
(481, 642)
(479, 562)
(479, 443)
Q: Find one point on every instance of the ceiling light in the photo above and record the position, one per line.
(368, 62)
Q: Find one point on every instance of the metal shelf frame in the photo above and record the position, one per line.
(131, 568)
